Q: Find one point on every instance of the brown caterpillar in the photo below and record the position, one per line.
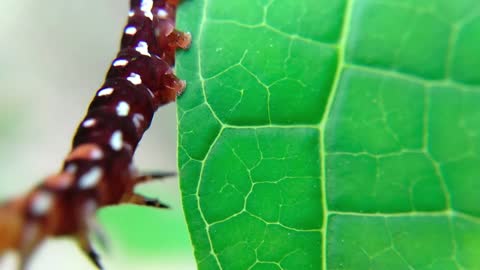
(98, 171)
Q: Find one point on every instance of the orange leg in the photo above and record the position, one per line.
(179, 39)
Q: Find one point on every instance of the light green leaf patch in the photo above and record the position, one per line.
(331, 134)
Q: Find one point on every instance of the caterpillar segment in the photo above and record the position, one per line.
(98, 171)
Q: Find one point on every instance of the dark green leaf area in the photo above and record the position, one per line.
(376, 114)
(455, 142)
(200, 125)
(262, 243)
(269, 194)
(258, 84)
(366, 183)
(380, 242)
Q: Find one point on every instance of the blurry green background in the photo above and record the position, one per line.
(53, 57)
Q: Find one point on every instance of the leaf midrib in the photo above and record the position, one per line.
(322, 127)
(202, 83)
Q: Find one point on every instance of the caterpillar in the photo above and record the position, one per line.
(98, 171)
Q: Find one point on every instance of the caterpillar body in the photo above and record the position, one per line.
(98, 171)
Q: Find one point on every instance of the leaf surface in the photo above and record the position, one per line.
(318, 134)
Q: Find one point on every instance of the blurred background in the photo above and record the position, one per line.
(53, 57)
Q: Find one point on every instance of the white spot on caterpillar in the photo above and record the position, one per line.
(89, 123)
(142, 48)
(41, 203)
(105, 92)
(116, 140)
(131, 13)
(123, 108)
(162, 13)
(135, 78)
(120, 63)
(96, 154)
(90, 179)
(146, 6)
(138, 119)
(131, 30)
(71, 168)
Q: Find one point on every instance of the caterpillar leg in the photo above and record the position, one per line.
(179, 39)
(174, 83)
(177, 85)
(91, 226)
(172, 88)
(32, 237)
(23, 260)
(86, 247)
(99, 233)
(153, 176)
(137, 199)
(131, 197)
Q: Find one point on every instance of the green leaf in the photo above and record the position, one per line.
(320, 134)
